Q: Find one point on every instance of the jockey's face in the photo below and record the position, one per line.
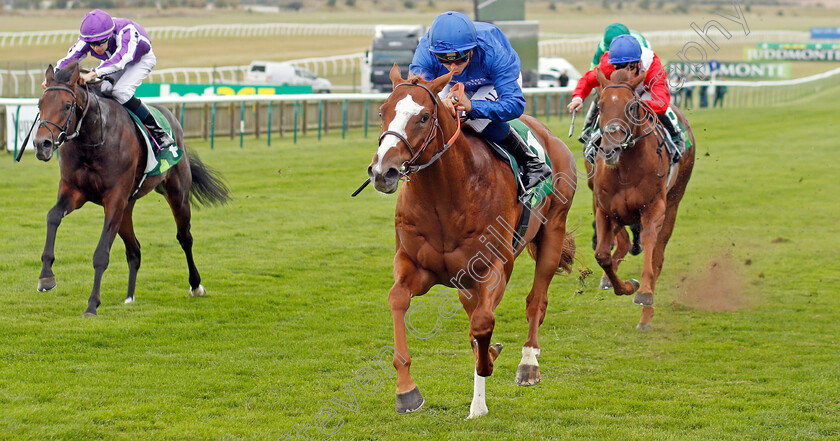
(457, 67)
(99, 48)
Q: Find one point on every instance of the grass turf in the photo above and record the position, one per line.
(297, 274)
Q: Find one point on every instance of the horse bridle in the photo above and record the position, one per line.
(408, 167)
(629, 140)
(62, 134)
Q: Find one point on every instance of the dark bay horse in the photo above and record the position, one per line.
(632, 184)
(102, 159)
(455, 221)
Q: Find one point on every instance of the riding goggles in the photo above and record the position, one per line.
(100, 42)
(453, 57)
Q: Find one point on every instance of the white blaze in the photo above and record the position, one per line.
(405, 109)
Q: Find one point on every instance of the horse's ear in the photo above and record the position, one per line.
(634, 83)
(396, 75)
(49, 75)
(74, 77)
(602, 79)
(439, 83)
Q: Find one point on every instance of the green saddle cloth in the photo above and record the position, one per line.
(166, 158)
(545, 187)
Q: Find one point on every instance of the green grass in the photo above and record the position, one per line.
(297, 274)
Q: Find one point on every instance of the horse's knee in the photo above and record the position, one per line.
(481, 325)
(184, 238)
(101, 259)
(604, 259)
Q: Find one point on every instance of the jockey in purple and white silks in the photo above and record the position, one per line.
(126, 53)
(481, 57)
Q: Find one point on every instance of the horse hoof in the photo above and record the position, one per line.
(129, 300)
(46, 284)
(643, 298)
(496, 349)
(198, 292)
(605, 283)
(89, 314)
(635, 284)
(478, 412)
(528, 375)
(410, 401)
(644, 327)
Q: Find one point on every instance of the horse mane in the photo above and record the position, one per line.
(63, 76)
(414, 79)
(622, 76)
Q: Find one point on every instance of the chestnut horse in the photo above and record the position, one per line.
(455, 222)
(632, 184)
(102, 161)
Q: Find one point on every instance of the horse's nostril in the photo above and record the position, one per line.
(46, 144)
(370, 172)
(392, 174)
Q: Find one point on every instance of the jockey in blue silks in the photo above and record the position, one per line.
(481, 57)
(125, 50)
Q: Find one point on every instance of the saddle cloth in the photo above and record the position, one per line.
(167, 158)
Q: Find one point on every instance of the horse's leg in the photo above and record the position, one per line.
(622, 245)
(607, 231)
(409, 281)
(652, 223)
(549, 253)
(114, 205)
(488, 294)
(132, 250)
(68, 200)
(658, 258)
(179, 203)
(636, 249)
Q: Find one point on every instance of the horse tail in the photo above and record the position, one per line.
(567, 256)
(208, 188)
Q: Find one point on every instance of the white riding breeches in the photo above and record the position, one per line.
(128, 79)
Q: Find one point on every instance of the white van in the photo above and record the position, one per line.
(277, 73)
(550, 69)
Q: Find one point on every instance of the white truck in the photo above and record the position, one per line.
(278, 73)
(391, 44)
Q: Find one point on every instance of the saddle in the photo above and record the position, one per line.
(535, 196)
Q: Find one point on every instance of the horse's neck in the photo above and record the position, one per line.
(444, 182)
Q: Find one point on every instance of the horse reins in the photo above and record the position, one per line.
(629, 141)
(408, 167)
(62, 134)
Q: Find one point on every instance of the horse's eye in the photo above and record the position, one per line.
(67, 106)
(380, 115)
(424, 118)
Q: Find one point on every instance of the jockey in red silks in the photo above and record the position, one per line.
(125, 50)
(626, 53)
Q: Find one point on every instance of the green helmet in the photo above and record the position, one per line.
(614, 30)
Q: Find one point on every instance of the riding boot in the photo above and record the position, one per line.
(163, 140)
(534, 169)
(676, 136)
(588, 124)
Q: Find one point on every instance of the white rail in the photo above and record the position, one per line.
(33, 38)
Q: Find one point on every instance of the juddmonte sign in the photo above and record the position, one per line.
(731, 69)
(178, 90)
(791, 53)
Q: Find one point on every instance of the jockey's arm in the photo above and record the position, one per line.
(126, 51)
(656, 81)
(505, 71)
(584, 87)
(76, 52)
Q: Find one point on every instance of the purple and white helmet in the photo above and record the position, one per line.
(96, 26)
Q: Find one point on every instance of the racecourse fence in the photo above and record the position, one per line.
(577, 43)
(267, 116)
(36, 38)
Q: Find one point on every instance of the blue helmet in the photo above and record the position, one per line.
(625, 49)
(452, 33)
